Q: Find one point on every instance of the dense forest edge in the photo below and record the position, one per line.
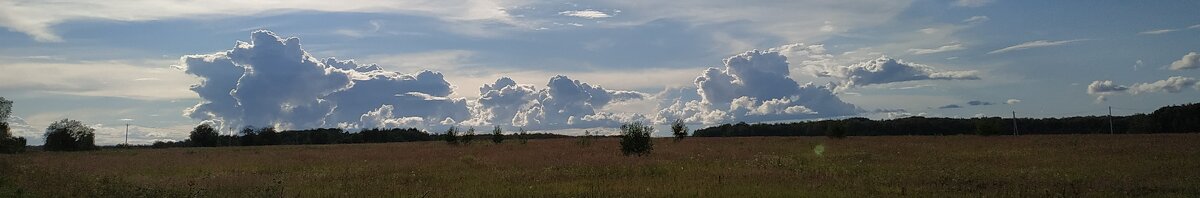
(1170, 119)
(69, 135)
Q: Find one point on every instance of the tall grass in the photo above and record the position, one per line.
(932, 166)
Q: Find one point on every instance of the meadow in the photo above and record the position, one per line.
(1157, 165)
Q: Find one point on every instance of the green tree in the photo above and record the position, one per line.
(69, 135)
(204, 136)
(635, 139)
(987, 126)
(679, 129)
(586, 139)
(497, 135)
(468, 136)
(451, 135)
(8, 143)
(522, 136)
(5, 109)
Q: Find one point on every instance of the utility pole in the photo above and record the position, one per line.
(1014, 114)
(1110, 121)
(126, 134)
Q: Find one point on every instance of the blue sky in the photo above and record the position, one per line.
(108, 64)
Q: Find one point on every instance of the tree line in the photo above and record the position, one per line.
(205, 135)
(1170, 119)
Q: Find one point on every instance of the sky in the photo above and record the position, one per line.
(567, 66)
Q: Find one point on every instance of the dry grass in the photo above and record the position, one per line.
(927, 166)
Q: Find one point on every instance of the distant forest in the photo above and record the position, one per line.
(269, 136)
(1170, 119)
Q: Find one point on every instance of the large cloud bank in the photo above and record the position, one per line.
(565, 103)
(1174, 84)
(272, 81)
(753, 86)
(814, 60)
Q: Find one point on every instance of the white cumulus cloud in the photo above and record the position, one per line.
(753, 86)
(272, 81)
(1189, 61)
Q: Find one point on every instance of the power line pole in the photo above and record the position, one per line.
(126, 135)
(1110, 121)
(1014, 117)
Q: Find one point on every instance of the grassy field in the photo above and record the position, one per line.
(917, 166)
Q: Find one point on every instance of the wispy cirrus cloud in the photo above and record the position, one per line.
(37, 18)
(1035, 44)
(587, 14)
(944, 48)
(1158, 31)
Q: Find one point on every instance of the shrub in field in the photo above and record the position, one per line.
(451, 135)
(468, 136)
(679, 129)
(69, 135)
(522, 136)
(585, 140)
(203, 136)
(635, 139)
(8, 143)
(497, 135)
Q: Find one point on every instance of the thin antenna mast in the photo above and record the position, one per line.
(1014, 118)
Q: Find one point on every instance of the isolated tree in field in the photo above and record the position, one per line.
(451, 135)
(522, 136)
(69, 135)
(8, 143)
(635, 139)
(468, 136)
(679, 129)
(586, 139)
(497, 135)
(204, 136)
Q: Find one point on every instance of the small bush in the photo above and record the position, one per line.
(679, 130)
(522, 136)
(468, 136)
(451, 135)
(635, 139)
(497, 135)
(585, 140)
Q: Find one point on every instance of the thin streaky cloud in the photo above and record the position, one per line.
(1035, 44)
(587, 14)
(944, 48)
(1161, 31)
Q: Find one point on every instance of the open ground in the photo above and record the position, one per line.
(1158, 165)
